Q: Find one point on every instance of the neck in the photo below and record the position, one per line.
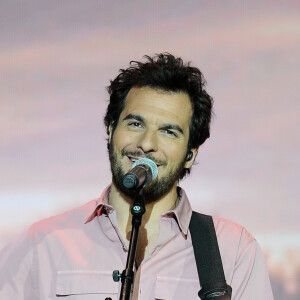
(154, 209)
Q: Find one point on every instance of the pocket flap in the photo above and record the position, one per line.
(77, 282)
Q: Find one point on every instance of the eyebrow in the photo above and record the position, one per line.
(134, 117)
(166, 126)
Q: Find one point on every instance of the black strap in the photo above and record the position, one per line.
(208, 259)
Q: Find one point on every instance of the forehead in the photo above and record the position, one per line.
(158, 105)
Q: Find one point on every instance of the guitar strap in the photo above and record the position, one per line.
(208, 259)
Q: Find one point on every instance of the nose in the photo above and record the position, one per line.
(148, 142)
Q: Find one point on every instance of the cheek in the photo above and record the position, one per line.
(174, 152)
(122, 139)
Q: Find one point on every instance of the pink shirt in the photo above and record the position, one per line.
(74, 255)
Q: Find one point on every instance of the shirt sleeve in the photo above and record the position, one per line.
(18, 269)
(250, 277)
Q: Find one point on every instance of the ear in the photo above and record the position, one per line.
(190, 161)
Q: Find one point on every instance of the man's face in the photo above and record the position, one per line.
(153, 124)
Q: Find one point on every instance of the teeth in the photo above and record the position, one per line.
(132, 159)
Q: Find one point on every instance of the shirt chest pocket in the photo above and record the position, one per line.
(169, 288)
(86, 284)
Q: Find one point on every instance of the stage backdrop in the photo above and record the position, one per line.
(56, 57)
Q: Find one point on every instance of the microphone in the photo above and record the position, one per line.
(143, 172)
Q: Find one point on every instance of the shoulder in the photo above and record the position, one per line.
(71, 219)
(236, 243)
(231, 229)
(234, 238)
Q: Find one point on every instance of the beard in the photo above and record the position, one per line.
(152, 191)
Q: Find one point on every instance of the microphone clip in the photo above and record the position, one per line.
(138, 207)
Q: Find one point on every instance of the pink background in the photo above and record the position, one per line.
(56, 57)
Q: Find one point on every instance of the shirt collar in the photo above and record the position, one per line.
(182, 212)
(102, 205)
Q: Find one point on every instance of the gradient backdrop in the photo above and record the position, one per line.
(56, 57)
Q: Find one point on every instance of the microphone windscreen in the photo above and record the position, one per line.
(150, 163)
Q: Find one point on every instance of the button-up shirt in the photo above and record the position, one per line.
(73, 255)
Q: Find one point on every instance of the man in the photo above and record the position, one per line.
(159, 110)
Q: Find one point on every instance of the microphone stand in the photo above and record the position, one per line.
(127, 276)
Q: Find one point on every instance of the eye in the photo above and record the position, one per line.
(135, 124)
(169, 132)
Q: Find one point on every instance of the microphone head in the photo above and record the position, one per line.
(150, 163)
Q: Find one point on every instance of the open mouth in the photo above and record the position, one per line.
(134, 159)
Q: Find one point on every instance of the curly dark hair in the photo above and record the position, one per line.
(168, 73)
